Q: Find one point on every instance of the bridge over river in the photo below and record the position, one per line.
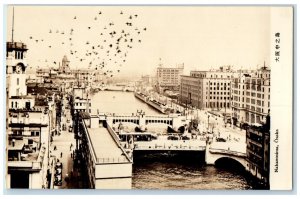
(234, 149)
(103, 148)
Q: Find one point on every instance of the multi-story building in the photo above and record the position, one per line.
(28, 127)
(207, 89)
(169, 78)
(258, 151)
(81, 100)
(105, 163)
(67, 77)
(251, 97)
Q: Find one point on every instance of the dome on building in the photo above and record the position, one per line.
(65, 59)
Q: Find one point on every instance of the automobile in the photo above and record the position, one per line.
(58, 180)
(220, 140)
(68, 120)
(70, 129)
(185, 138)
(57, 172)
(58, 165)
(173, 137)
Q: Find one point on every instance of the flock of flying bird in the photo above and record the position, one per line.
(107, 53)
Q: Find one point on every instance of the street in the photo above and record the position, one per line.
(62, 142)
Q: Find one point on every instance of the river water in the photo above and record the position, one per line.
(163, 172)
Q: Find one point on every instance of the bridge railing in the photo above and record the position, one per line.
(164, 147)
(117, 141)
(229, 152)
(121, 159)
(159, 116)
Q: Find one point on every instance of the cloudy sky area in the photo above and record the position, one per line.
(200, 37)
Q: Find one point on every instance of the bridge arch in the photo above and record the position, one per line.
(230, 162)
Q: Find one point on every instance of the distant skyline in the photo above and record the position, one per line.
(200, 37)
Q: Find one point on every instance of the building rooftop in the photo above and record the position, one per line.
(18, 146)
(105, 148)
(16, 46)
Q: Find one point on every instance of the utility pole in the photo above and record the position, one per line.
(12, 30)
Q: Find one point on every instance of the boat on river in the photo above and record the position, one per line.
(163, 108)
(141, 96)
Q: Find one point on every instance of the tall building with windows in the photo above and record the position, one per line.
(251, 97)
(169, 78)
(207, 89)
(258, 152)
(27, 128)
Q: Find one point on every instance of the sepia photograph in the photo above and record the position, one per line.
(148, 97)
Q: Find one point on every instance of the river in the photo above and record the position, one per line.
(164, 172)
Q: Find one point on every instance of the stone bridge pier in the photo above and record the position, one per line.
(213, 153)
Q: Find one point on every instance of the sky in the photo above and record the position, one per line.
(200, 37)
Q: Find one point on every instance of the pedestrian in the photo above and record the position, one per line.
(71, 155)
(54, 148)
(61, 154)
